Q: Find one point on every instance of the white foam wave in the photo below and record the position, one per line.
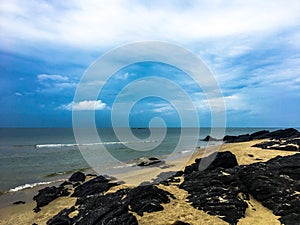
(88, 144)
(27, 186)
(186, 151)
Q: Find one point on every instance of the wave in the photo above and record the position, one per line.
(27, 186)
(186, 151)
(89, 144)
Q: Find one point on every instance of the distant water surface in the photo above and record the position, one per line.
(34, 155)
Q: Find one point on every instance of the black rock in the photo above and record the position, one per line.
(217, 192)
(239, 138)
(149, 161)
(286, 148)
(266, 144)
(218, 159)
(62, 218)
(222, 191)
(274, 184)
(98, 185)
(147, 199)
(178, 222)
(77, 177)
(113, 208)
(285, 133)
(209, 138)
(48, 194)
(278, 134)
(260, 134)
(19, 202)
(286, 145)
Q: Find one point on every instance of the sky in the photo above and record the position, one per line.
(251, 47)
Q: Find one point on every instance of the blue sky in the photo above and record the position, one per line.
(252, 47)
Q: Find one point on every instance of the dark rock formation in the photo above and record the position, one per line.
(217, 192)
(239, 138)
(260, 134)
(221, 191)
(278, 134)
(62, 218)
(217, 159)
(292, 144)
(77, 177)
(149, 161)
(209, 138)
(19, 202)
(178, 222)
(48, 194)
(276, 184)
(113, 208)
(147, 199)
(285, 133)
(97, 185)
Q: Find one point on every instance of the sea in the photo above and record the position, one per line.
(34, 156)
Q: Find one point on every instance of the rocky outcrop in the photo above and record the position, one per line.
(209, 138)
(114, 208)
(149, 161)
(278, 134)
(292, 144)
(217, 159)
(223, 191)
(216, 190)
(276, 184)
(98, 185)
(47, 195)
(77, 177)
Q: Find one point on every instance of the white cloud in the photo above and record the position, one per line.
(161, 108)
(52, 83)
(84, 105)
(107, 23)
(44, 77)
(18, 94)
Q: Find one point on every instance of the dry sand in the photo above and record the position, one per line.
(177, 209)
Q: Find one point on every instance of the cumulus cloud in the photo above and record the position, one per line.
(52, 83)
(84, 105)
(44, 77)
(161, 108)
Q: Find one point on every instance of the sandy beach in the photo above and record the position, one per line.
(177, 209)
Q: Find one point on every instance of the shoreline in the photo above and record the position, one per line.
(245, 155)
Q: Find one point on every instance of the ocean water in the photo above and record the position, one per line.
(32, 156)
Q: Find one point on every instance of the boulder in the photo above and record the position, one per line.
(62, 218)
(113, 208)
(77, 177)
(147, 199)
(47, 195)
(149, 161)
(18, 202)
(209, 138)
(98, 185)
(218, 159)
(284, 133)
(217, 192)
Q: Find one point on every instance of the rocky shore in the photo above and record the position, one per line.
(246, 183)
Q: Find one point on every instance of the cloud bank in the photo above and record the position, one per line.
(84, 105)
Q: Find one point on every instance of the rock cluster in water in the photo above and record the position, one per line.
(289, 133)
